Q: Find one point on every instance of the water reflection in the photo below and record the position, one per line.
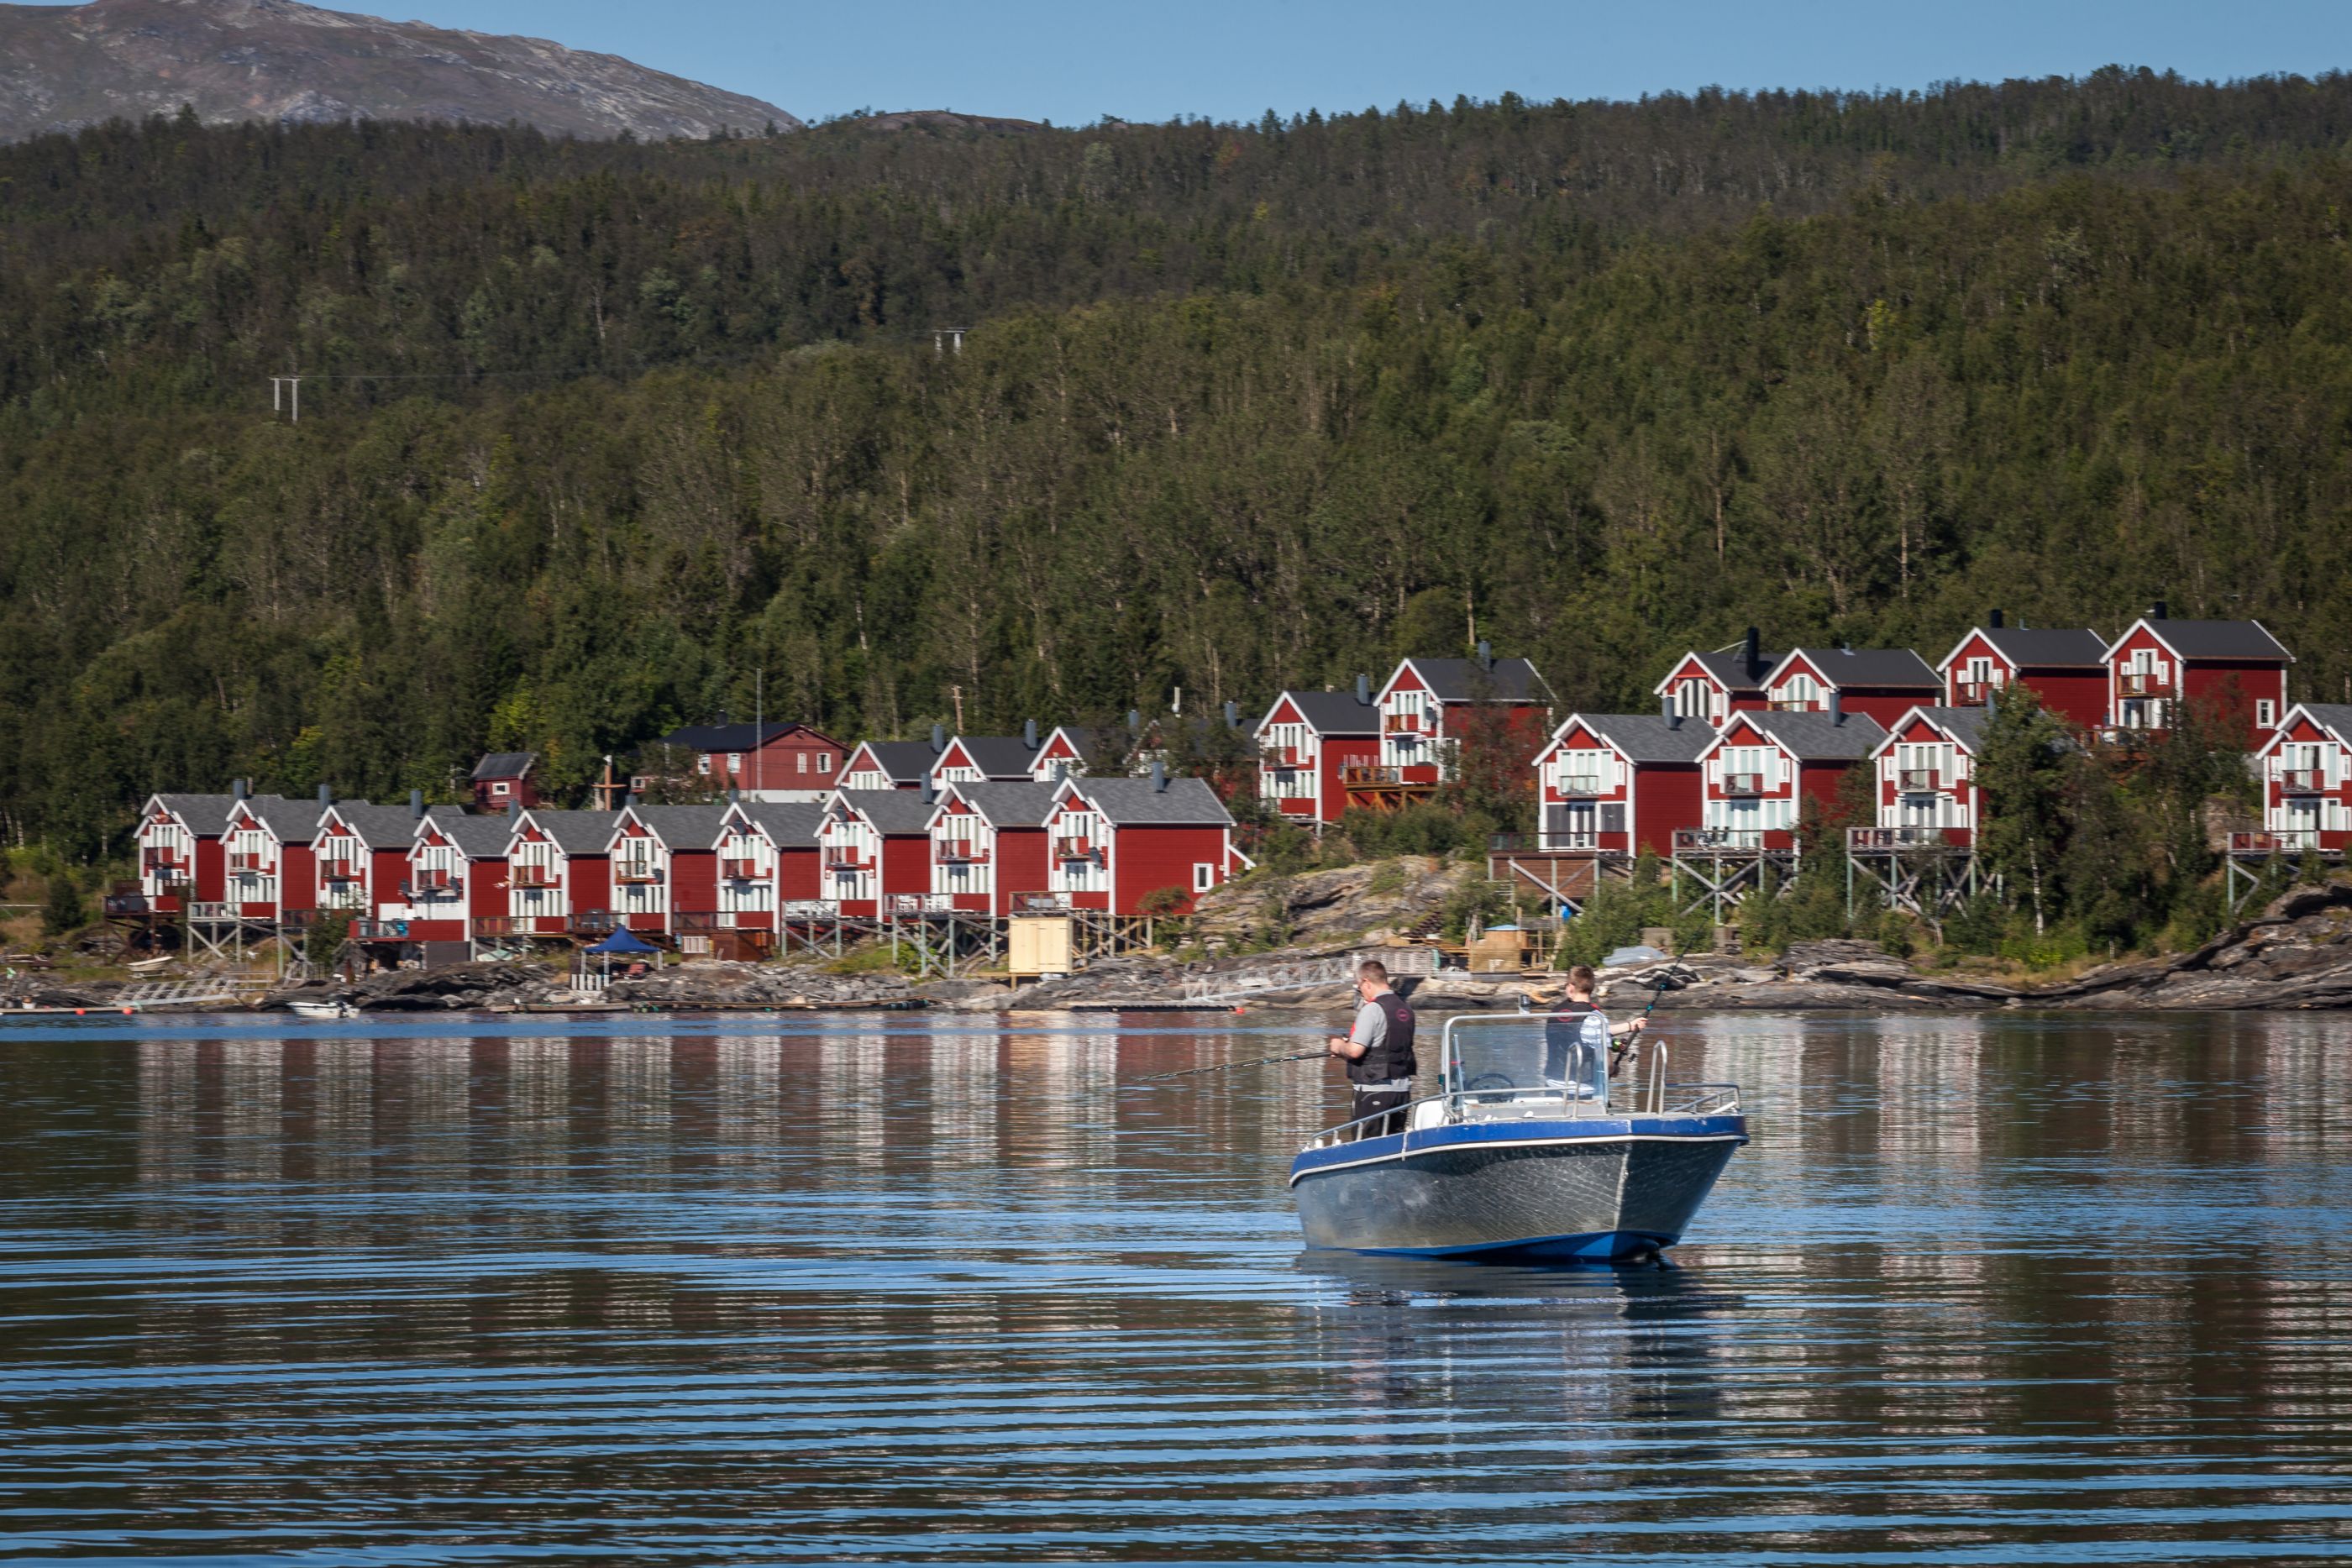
(1981, 1289)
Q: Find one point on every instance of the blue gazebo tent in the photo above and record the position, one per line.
(623, 940)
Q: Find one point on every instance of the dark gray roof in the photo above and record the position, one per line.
(2048, 647)
(2219, 640)
(476, 838)
(205, 815)
(1843, 667)
(504, 765)
(1817, 737)
(1000, 757)
(378, 827)
(577, 832)
(684, 827)
(1184, 802)
(1087, 744)
(892, 810)
(1648, 738)
(729, 737)
(787, 823)
(293, 821)
(1465, 680)
(1009, 805)
(1964, 725)
(1730, 667)
(1334, 712)
(906, 761)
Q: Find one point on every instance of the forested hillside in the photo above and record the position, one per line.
(596, 431)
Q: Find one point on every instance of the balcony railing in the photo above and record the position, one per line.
(526, 874)
(592, 923)
(433, 884)
(1577, 784)
(1690, 840)
(1973, 694)
(1743, 784)
(212, 909)
(248, 863)
(339, 870)
(1795, 705)
(957, 851)
(809, 909)
(126, 903)
(1895, 838)
(379, 930)
(2302, 781)
(502, 926)
(740, 871)
(918, 904)
(1042, 903)
(1280, 756)
(1404, 723)
(701, 921)
(1358, 774)
(1919, 778)
(346, 898)
(636, 873)
(2141, 686)
(1074, 849)
(2280, 841)
(845, 859)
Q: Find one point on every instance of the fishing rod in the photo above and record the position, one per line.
(1222, 1066)
(1617, 1057)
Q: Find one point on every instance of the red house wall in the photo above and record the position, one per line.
(2078, 698)
(693, 882)
(1336, 753)
(1146, 858)
(2232, 690)
(387, 869)
(800, 873)
(588, 882)
(211, 880)
(776, 766)
(1021, 865)
(297, 879)
(906, 864)
(1666, 797)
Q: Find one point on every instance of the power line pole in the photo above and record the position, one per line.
(759, 730)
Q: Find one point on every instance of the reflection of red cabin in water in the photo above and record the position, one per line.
(457, 872)
(1927, 776)
(1620, 782)
(1762, 767)
(2065, 666)
(1882, 684)
(2234, 671)
(1713, 687)
(1431, 708)
(1117, 841)
(180, 853)
(1307, 742)
(988, 846)
(2306, 772)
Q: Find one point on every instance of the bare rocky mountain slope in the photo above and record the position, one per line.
(64, 67)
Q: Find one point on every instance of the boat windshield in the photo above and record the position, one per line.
(1523, 1056)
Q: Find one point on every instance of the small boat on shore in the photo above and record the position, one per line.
(339, 1008)
(1521, 1156)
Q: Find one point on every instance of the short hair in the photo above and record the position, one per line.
(1580, 978)
(1372, 969)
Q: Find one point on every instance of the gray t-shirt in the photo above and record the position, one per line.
(1371, 1029)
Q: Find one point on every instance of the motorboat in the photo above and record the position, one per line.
(337, 1008)
(1524, 1153)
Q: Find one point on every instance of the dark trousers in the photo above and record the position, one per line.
(1378, 1103)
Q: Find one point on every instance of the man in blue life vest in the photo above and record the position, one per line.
(1378, 1051)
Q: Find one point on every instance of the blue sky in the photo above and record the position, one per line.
(1073, 61)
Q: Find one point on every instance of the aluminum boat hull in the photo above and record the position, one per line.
(1593, 1189)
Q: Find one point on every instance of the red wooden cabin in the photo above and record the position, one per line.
(1307, 742)
(988, 845)
(504, 780)
(773, 760)
(2233, 671)
(2307, 773)
(559, 874)
(1067, 753)
(179, 854)
(1619, 783)
(2065, 666)
(983, 759)
(266, 853)
(1882, 684)
(888, 765)
(1713, 687)
(457, 877)
(767, 859)
(1430, 707)
(1117, 841)
(874, 844)
(1927, 776)
(360, 859)
(665, 866)
(1762, 767)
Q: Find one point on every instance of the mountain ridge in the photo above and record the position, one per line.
(69, 67)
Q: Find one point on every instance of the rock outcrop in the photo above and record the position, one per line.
(64, 67)
(1327, 909)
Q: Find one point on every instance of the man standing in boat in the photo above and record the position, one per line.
(1586, 1033)
(1377, 1049)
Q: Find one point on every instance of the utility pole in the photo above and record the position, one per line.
(759, 729)
(282, 387)
(957, 692)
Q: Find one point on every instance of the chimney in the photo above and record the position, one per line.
(1666, 711)
(1837, 707)
(1485, 655)
(1159, 777)
(1995, 622)
(1029, 734)
(416, 804)
(326, 796)
(237, 790)
(1364, 690)
(1753, 652)
(2156, 611)
(1232, 715)
(1134, 722)
(938, 738)
(514, 807)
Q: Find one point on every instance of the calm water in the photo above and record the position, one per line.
(1981, 1292)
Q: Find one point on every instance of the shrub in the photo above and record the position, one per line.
(63, 912)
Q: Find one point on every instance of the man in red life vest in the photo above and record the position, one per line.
(1378, 1049)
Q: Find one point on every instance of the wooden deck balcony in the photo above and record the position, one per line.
(1581, 786)
(1074, 849)
(527, 874)
(591, 923)
(2302, 781)
(1919, 778)
(2134, 685)
(958, 851)
(739, 869)
(1743, 786)
(1715, 840)
(1973, 694)
(1906, 838)
(636, 873)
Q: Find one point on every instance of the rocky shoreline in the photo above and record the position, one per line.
(2295, 955)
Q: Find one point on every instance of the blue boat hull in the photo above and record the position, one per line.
(1589, 1189)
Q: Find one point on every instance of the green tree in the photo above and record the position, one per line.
(63, 911)
(2022, 767)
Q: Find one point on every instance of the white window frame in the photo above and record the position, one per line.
(1205, 875)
